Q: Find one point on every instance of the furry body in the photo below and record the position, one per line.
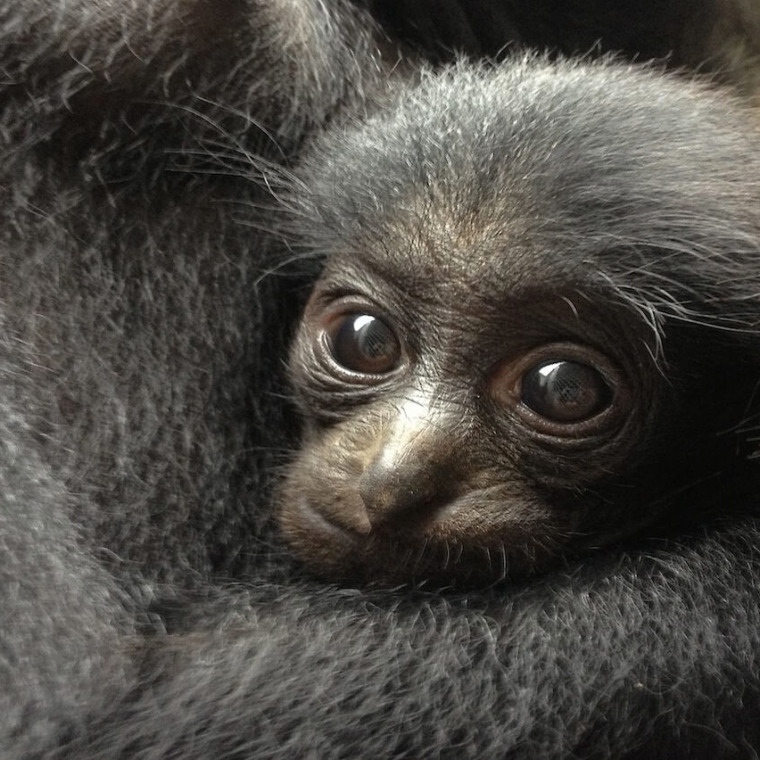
(147, 610)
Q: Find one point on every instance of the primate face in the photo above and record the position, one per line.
(462, 419)
(514, 351)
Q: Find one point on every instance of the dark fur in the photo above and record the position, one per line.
(146, 610)
(543, 204)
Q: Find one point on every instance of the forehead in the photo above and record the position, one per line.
(444, 252)
(487, 198)
(492, 185)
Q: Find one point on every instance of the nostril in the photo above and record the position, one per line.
(401, 491)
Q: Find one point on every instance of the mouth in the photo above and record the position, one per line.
(301, 515)
(378, 559)
(330, 550)
(409, 552)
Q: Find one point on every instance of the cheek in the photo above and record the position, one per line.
(319, 510)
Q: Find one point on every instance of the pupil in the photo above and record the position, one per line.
(373, 338)
(565, 391)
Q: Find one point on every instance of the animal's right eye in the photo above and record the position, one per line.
(363, 343)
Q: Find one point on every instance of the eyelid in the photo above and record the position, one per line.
(341, 300)
(337, 300)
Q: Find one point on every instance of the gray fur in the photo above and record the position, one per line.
(148, 609)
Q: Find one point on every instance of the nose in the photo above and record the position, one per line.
(416, 470)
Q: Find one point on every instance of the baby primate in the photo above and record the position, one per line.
(539, 280)
(146, 611)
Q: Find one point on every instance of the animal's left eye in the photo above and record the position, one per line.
(364, 343)
(565, 391)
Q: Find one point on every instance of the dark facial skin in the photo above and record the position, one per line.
(462, 420)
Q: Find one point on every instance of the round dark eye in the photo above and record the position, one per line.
(565, 391)
(364, 343)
